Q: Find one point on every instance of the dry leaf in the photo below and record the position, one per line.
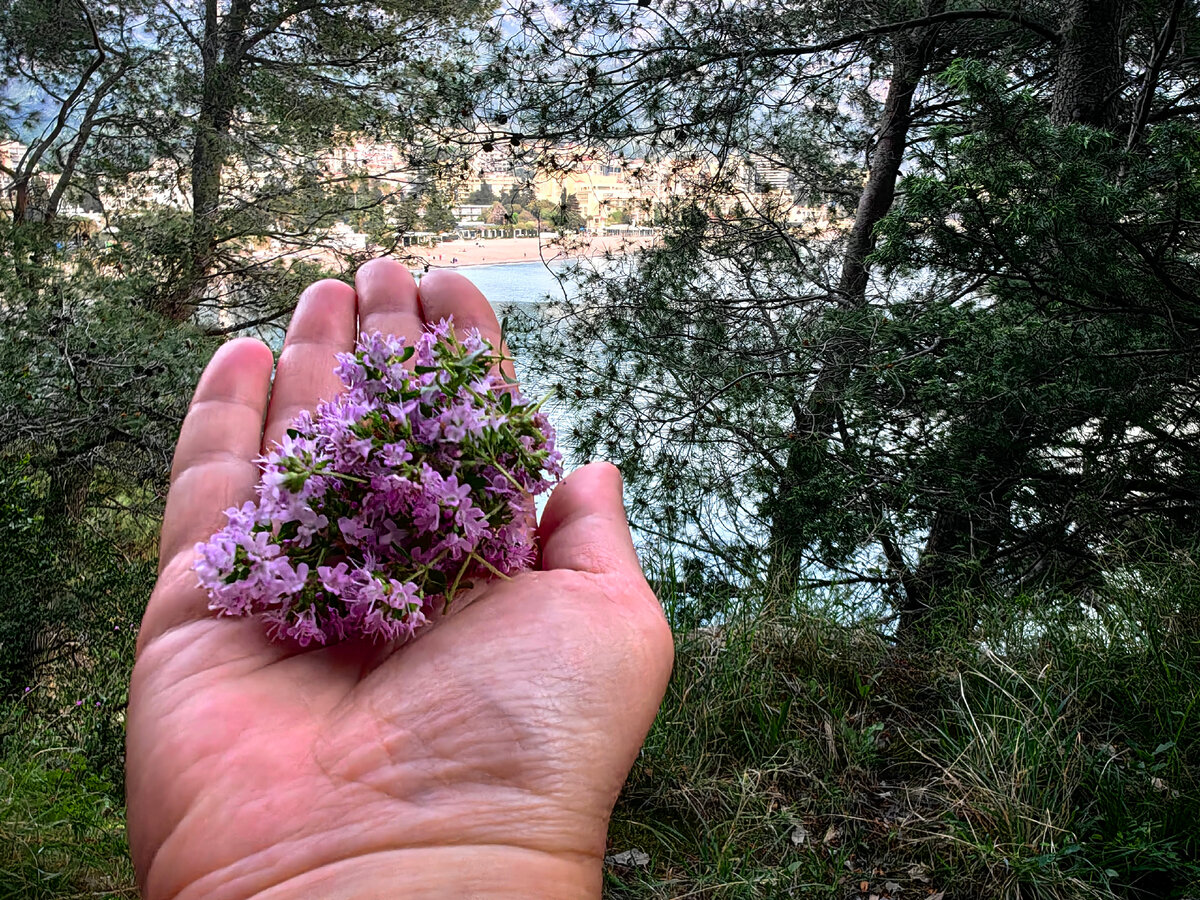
(938, 896)
(629, 858)
(891, 887)
(919, 873)
(799, 835)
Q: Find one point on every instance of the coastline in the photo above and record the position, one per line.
(463, 253)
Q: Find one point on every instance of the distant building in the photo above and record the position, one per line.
(761, 175)
(471, 211)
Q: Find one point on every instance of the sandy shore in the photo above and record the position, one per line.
(495, 251)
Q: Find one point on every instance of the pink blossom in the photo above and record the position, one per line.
(370, 510)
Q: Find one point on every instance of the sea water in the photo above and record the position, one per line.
(518, 283)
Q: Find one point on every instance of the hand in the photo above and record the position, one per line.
(483, 759)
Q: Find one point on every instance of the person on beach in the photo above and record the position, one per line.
(481, 760)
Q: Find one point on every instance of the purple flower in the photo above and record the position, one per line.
(472, 521)
(372, 509)
(304, 629)
(395, 454)
(352, 373)
(446, 491)
(355, 531)
(427, 514)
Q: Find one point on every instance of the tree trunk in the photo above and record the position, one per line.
(223, 56)
(815, 421)
(1089, 75)
(27, 168)
(208, 161)
(936, 589)
(70, 484)
(21, 204)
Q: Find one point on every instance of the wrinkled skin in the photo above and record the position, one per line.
(482, 759)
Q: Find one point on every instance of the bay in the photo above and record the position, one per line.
(518, 284)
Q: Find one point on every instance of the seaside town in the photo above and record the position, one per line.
(571, 201)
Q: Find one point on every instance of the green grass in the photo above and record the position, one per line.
(62, 827)
(797, 757)
(1063, 769)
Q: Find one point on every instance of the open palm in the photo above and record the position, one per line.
(482, 759)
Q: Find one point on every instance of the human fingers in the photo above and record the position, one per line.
(214, 457)
(448, 294)
(387, 300)
(214, 466)
(584, 526)
(322, 326)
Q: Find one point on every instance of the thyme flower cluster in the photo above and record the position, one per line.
(403, 490)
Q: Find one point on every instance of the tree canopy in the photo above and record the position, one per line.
(967, 367)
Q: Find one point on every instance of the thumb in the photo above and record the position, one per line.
(584, 526)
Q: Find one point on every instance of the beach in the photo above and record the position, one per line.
(494, 251)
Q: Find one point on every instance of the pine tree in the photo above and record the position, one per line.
(943, 416)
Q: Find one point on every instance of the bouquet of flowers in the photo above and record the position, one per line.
(392, 497)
